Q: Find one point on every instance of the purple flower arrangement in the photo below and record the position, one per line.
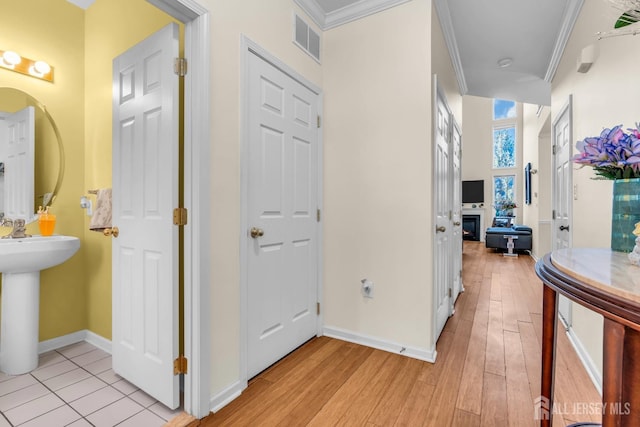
(615, 154)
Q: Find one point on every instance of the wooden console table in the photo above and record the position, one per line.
(607, 283)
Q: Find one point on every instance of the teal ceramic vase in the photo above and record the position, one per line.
(625, 213)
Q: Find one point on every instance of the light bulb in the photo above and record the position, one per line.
(39, 69)
(11, 58)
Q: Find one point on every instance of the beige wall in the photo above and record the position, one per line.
(269, 25)
(377, 176)
(536, 148)
(376, 77)
(604, 97)
(442, 67)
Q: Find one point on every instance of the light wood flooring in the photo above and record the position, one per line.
(487, 372)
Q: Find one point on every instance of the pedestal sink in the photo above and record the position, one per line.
(20, 263)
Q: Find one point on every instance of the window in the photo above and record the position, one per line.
(504, 155)
(504, 109)
(504, 147)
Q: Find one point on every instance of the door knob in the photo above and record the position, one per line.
(564, 227)
(256, 232)
(441, 229)
(111, 232)
(457, 223)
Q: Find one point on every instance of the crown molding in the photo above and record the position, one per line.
(444, 15)
(568, 21)
(347, 14)
(313, 9)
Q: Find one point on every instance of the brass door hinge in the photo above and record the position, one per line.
(180, 365)
(318, 214)
(319, 121)
(318, 308)
(180, 66)
(450, 293)
(180, 216)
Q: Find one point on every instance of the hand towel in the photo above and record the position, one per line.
(101, 218)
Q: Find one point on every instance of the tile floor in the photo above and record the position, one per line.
(75, 386)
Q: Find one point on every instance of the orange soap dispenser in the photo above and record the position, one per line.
(46, 221)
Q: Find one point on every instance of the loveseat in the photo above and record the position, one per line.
(497, 237)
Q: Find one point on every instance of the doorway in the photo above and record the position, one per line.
(197, 181)
(562, 192)
(443, 200)
(281, 205)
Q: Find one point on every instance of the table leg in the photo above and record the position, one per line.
(629, 407)
(612, 357)
(549, 323)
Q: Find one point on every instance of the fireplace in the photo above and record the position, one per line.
(471, 227)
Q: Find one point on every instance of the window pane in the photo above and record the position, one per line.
(503, 109)
(504, 147)
(503, 188)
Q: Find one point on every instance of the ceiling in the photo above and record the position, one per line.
(531, 34)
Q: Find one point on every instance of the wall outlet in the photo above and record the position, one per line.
(367, 288)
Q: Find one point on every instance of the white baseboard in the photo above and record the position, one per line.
(586, 360)
(380, 344)
(223, 398)
(98, 341)
(72, 338)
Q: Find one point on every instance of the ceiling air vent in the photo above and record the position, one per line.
(306, 38)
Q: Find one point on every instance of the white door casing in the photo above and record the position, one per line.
(442, 205)
(145, 191)
(17, 152)
(456, 205)
(562, 192)
(282, 201)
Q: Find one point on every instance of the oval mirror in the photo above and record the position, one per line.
(48, 148)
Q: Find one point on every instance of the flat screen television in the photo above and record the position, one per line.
(473, 191)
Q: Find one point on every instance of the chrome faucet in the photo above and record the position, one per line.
(18, 230)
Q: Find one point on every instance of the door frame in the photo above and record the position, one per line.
(564, 304)
(456, 128)
(197, 183)
(249, 47)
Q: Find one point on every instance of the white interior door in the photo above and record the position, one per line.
(145, 191)
(282, 201)
(456, 208)
(17, 152)
(443, 226)
(562, 193)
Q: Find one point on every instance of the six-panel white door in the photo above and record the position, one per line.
(282, 266)
(145, 191)
(442, 232)
(17, 152)
(456, 205)
(562, 194)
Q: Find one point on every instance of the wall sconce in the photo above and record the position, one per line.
(11, 60)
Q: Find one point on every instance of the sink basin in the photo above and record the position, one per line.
(20, 263)
(35, 253)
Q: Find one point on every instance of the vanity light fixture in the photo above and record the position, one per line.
(11, 60)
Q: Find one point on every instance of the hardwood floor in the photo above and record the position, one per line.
(487, 372)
